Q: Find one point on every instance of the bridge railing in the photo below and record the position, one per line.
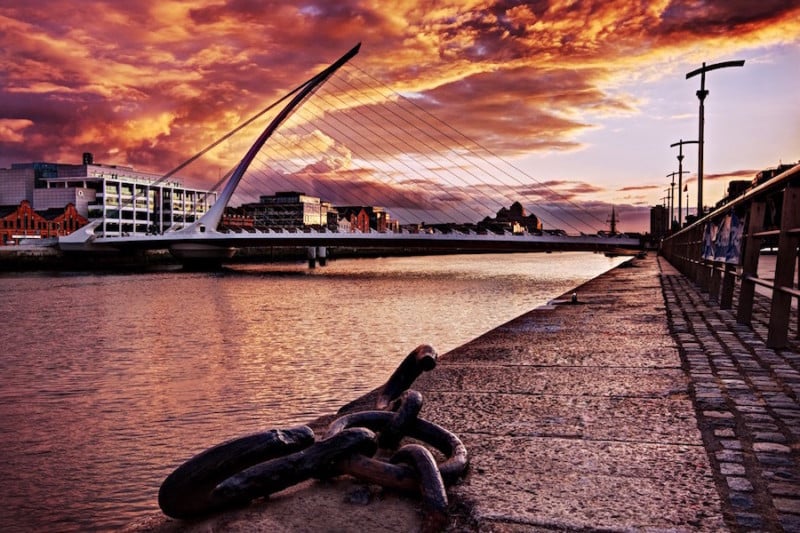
(721, 251)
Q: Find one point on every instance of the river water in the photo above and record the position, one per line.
(109, 381)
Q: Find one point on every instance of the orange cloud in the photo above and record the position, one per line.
(152, 82)
(11, 130)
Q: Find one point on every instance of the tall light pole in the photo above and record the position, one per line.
(701, 95)
(687, 203)
(672, 195)
(680, 144)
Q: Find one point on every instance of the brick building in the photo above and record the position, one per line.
(366, 217)
(22, 222)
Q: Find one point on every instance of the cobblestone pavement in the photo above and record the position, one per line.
(747, 398)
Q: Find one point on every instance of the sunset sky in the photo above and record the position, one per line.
(582, 99)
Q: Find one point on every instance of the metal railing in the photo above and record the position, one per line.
(720, 252)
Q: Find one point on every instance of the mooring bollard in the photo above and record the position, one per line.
(421, 359)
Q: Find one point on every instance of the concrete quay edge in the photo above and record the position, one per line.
(617, 413)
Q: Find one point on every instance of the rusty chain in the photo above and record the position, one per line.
(365, 445)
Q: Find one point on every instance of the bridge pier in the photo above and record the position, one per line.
(201, 256)
(317, 255)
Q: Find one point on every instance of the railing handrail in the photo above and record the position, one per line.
(762, 188)
(741, 226)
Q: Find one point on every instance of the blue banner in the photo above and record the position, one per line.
(733, 254)
(709, 233)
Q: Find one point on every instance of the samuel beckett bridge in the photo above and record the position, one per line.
(356, 145)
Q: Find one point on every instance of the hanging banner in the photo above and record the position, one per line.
(709, 233)
(722, 239)
(734, 252)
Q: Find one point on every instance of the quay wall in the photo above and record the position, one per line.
(31, 257)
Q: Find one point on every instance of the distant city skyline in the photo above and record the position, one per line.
(585, 98)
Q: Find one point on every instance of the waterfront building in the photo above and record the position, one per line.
(659, 219)
(288, 210)
(21, 222)
(514, 219)
(235, 219)
(735, 188)
(125, 200)
(364, 218)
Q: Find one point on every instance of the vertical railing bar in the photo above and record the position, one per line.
(750, 255)
(778, 329)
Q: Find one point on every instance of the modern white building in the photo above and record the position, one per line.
(127, 201)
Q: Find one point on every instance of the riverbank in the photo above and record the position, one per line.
(622, 412)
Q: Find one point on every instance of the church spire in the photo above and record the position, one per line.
(612, 221)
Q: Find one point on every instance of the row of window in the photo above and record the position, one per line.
(37, 224)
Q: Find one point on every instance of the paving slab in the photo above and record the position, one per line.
(579, 484)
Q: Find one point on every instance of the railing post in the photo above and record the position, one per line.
(715, 280)
(728, 284)
(778, 331)
(750, 254)
(695, 254)
(703, 273)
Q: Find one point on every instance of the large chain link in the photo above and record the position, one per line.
(365, 445)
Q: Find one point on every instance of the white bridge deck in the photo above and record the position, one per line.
(85, 240)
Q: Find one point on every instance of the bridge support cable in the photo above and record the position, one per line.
(279, 142)
(474, 147)
(422, 143)
(494, 156)
(442, 163)
(398, 195)
(213, 216)
(402, 123)
(376, 129)
(364, 195)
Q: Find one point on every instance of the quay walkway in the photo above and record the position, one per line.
(639, 408)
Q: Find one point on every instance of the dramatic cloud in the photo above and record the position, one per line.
(150, 83)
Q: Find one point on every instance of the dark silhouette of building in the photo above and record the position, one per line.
(659, 220)
(513, 219)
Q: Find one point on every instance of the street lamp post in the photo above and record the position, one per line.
(687, 203)
(701, 95)
(680, 144)
(668, 204)
(672, 196)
